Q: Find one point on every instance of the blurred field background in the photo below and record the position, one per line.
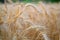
(29, 19)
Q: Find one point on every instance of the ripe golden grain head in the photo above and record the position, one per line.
(22, 23)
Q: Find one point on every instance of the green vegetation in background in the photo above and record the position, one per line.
(40, 0)
(14, 0)
(31, 0)
(2, 1)
(53, 1)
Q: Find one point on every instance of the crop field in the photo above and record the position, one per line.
(30, 21)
